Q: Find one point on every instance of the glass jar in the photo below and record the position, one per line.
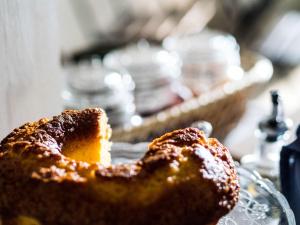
(155, 72)
(90, 84)
(209, 58)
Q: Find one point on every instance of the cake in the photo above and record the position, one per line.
(57, 172)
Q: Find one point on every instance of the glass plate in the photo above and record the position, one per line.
(259, 204)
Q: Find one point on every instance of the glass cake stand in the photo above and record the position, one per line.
(259, 204)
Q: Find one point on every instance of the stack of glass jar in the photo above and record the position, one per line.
(209, 58)
(155, 72)
(90, 84)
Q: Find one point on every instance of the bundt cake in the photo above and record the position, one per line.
(57, 172)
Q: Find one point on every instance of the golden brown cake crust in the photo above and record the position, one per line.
(184, 178)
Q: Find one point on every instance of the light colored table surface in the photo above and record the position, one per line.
(241, 140)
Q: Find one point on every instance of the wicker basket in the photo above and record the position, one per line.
(223, 106)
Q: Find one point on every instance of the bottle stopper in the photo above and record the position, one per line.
(275, 126)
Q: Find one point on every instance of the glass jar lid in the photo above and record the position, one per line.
(207, 45)
(140, 58)
(88, 78)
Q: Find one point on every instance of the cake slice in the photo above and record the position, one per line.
(90, 143)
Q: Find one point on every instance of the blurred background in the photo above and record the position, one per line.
(154, 66)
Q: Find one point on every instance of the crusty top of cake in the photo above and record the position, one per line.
(180, 161)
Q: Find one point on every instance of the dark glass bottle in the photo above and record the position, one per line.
(290, 174)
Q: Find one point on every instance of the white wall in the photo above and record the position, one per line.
(29, 62)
